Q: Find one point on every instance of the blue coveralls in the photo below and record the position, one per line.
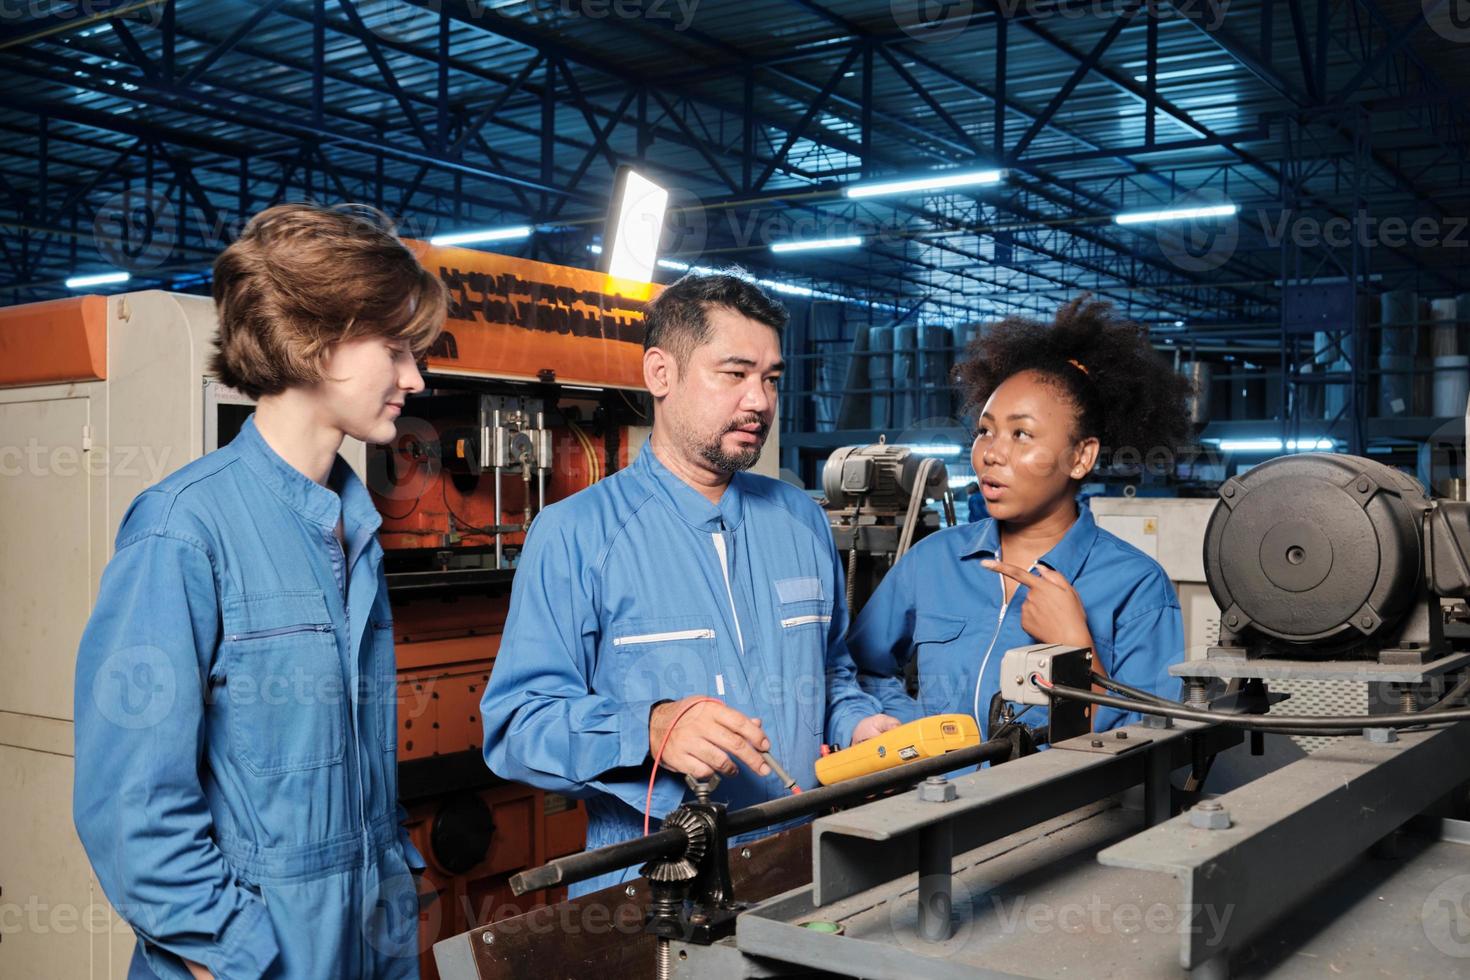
(639, 590)
(940, 605)
(236, 779)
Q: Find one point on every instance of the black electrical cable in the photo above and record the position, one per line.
(1133, 692)
(1285, 724)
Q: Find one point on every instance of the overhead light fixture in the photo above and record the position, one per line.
(483, 235)
(933, 182)
(674, 265)
(816, 243)
(1269, 445)
(97, 279)
(1164, 76)
(1176, 214)
(933, 449)
(635, 226)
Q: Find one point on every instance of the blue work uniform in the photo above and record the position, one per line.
(941, 605)
(236, 779)
(639, 590)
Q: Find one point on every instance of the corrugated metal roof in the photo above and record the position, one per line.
(666, 84)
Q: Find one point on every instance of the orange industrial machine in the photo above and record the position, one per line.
(532, 394)
(534, 391)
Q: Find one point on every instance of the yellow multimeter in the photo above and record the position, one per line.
(922, 739)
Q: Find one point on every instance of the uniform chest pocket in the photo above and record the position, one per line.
(943, 650)
(662, 659)
(283, 682)
(802, 604)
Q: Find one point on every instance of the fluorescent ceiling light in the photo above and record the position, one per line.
(1187, 72)
(1275, 445)
(934, 449)
(956, 482)
(933, 182)
(98, 279)
(674, 265)
(483, 235)
(817, 243)
(636, 226)
(1176, 214)
(595, 249)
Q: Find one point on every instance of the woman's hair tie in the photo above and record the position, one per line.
(1079, 366)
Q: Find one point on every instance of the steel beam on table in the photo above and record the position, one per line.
(1292, 830)
(860, 848)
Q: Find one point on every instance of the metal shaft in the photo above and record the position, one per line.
(667, 843)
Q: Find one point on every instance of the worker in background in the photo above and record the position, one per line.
(236, 780)
(975, 503)
(1038, 569)
(682, 614)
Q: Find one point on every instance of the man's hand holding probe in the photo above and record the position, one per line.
(706, 734)
(709, 737)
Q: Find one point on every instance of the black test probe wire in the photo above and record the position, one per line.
(1149, 704)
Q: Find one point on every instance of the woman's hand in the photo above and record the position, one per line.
(1051, 611)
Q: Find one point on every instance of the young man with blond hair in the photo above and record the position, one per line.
(242, 813)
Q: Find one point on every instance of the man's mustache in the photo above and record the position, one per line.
(765, 426)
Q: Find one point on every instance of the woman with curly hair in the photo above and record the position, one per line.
(1049, 398)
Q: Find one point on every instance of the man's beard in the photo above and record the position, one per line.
(713, 452)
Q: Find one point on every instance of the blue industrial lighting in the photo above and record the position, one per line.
(483, 235)
(934, 449)
(97, 279)
(1270, 445)
(933, 182)
(1176, 214)
(852, 241)
(1164, 76)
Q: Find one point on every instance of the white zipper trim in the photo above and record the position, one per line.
(719, 540)
(803, 620)
(624, 641)
(999, 622)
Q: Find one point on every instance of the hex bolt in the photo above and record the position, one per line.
(1381, 736)
(488, 938)
(1232, 620)
(1209, 815)
(1366, 622)
(630, 891)
(1120, 735)
(937, 789)
(1097, 743)
(1363, 485)
(1229, 490)
(745, 854)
